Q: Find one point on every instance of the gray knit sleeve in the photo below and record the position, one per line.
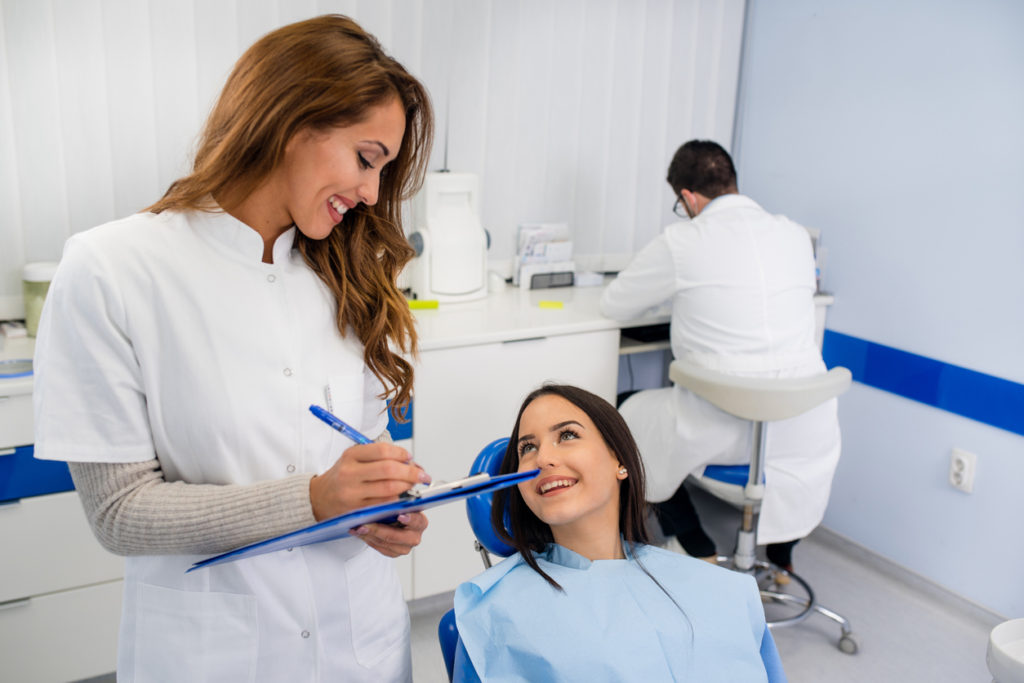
(133, 511)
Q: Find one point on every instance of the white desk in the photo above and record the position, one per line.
(478, 360)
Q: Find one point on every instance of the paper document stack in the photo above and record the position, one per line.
(544, 256)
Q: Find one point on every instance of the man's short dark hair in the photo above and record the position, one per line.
(702, 166)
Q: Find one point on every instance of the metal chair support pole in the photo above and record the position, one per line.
(755, 471)
(759, 450)
(483, 553)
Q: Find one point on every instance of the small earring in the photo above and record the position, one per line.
(623, 470)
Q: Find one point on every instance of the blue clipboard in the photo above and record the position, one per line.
(338, 527)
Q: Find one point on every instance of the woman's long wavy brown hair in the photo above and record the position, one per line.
(317, 74)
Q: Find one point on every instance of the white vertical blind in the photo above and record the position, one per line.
(569, 110)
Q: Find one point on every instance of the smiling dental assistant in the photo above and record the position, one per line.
(585, 597)
(181, 347)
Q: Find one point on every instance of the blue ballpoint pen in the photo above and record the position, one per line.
(337, 424)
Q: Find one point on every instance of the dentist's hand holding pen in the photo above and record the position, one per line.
(369, 473)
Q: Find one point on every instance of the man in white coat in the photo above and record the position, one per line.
(741, 284)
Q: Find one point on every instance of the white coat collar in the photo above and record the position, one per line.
(242, 241)
(726, 202)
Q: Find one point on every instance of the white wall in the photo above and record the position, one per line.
(569, 110)
(896, 128)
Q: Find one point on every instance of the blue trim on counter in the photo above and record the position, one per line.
(985, 398)
(22, 476)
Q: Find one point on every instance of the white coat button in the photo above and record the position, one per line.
(305, 634)
(287, 372)
(291, 468)
(271, 278)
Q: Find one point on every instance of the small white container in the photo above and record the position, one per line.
(1005, 656)
(36, 279)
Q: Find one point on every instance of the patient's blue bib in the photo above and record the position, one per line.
(613, 623)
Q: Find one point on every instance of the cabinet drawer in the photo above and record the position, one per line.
(16, 426)
(48, 546)
(66, 636)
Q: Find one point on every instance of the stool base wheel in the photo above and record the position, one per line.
(847, 644)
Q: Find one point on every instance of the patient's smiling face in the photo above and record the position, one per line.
(577, 491)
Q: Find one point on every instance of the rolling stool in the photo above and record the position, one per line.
(1005, 656)
(761, 400)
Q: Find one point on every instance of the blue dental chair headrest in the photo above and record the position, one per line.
(478, 508)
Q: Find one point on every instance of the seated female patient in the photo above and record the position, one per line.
(586, 597)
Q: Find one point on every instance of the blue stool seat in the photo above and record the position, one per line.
(728, 474)
(727, 482)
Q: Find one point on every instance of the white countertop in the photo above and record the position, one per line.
(516, 314)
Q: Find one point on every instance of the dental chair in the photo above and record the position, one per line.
(761, 401)
(487, 543)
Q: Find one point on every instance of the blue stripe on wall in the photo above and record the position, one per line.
(992, 400)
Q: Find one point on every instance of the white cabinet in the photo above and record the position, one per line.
(60, 591)
(63, 636)
(49, 547)
(468, 396)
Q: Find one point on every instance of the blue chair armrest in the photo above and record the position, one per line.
(456, 659)
(448, 635)
(465, 672)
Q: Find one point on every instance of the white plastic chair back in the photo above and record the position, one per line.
(760, 399)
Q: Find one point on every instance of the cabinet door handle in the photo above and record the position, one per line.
(13, 604)
(527, 339)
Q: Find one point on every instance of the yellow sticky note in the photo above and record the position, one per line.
(550, 304)
(417, 304)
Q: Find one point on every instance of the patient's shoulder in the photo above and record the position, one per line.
(684, 566)
(487, 580)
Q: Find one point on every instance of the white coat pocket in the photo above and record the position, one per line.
(195, 637)
(380, 619)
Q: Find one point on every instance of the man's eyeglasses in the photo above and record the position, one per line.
(680, 210)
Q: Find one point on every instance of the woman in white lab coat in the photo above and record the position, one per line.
(181, 348)
(741, 285)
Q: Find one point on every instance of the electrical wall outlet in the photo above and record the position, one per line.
(961, 470)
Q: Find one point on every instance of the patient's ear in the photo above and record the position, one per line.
(622, 473)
